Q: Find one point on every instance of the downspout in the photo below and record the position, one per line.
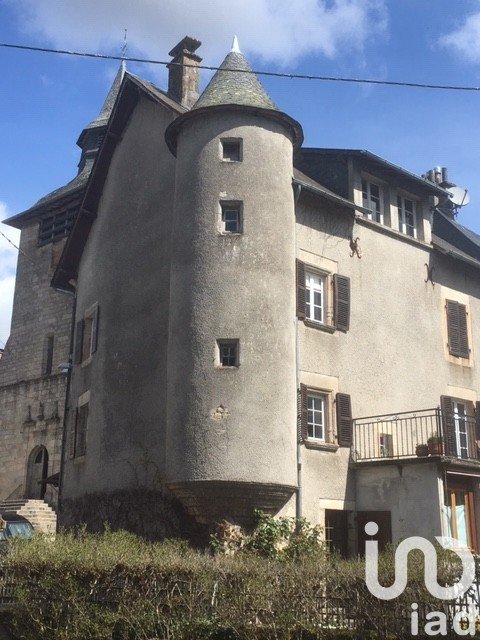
(299, 507)
(66, 406)
(299, 501)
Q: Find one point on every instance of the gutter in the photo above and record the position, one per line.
(328, 195)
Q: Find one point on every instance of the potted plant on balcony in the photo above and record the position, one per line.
(435, 445)
(422, 450)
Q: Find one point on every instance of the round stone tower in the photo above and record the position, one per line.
(231, 408)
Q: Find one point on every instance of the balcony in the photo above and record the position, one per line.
(424, 434)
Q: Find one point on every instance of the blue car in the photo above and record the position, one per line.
(14, 526)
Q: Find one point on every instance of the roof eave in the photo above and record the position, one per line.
(18, 220)
(328, 195)
(453, 252)
(173, 129)
(421, 182)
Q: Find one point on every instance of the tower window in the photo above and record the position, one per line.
(231, 221)
(227, 353)
(231, 149)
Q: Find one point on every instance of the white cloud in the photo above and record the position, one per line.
(8, 265)
(276, 30)
(465, 39)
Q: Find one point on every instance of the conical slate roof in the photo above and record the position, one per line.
(89, 143)
(102, 118)
(230, 87)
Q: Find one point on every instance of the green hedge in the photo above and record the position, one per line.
(120, 587)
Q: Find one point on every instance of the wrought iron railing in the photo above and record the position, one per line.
(411, 434)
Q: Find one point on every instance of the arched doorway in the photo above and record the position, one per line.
(37, 472)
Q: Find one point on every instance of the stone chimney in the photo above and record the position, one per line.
(183, 81)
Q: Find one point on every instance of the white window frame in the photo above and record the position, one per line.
(460, 416)
(317, 416)
(402, 217)
(367, 201)
(315, 282)
(226, 207)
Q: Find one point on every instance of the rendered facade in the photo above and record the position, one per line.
(256, 325)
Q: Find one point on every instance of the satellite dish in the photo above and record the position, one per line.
(458, 196)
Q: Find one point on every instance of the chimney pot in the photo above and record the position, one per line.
(183, 81)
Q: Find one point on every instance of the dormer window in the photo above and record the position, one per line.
(372, 199)
(407, 216)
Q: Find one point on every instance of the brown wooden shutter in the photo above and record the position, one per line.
(341, 294)
(471, 425)
(73, 436)
(448, 422)
(462, 323)
(77, 358)
(96, 316)
(457, 329)
(303, 413)
(301, 289)
(344, 420)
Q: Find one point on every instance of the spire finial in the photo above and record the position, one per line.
(124, 51)
(235, 46)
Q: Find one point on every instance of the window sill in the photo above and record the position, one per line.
(220, 368)
(328, 328)
(228, 234)
(310, 443)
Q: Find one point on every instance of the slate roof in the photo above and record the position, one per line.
(74, 189)
(104, 114)
(388, 168)
(312, 185)
(456, 234)
(241, 88)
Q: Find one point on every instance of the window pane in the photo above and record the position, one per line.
(316, 417)
(374, 190)
(227, 354)
(314, 297)
(231, 219)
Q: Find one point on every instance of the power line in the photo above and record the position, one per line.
(15, 246)
(291, 76)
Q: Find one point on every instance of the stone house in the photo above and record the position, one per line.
(257, 325)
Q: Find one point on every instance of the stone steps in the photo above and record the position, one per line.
(42, 517)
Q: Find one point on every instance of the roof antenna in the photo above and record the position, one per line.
(124, 51)
(235, 46)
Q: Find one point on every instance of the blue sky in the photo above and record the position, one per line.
(45, 100)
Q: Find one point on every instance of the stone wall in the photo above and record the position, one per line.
(32, 400)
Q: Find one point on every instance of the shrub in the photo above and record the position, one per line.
(117, 586)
